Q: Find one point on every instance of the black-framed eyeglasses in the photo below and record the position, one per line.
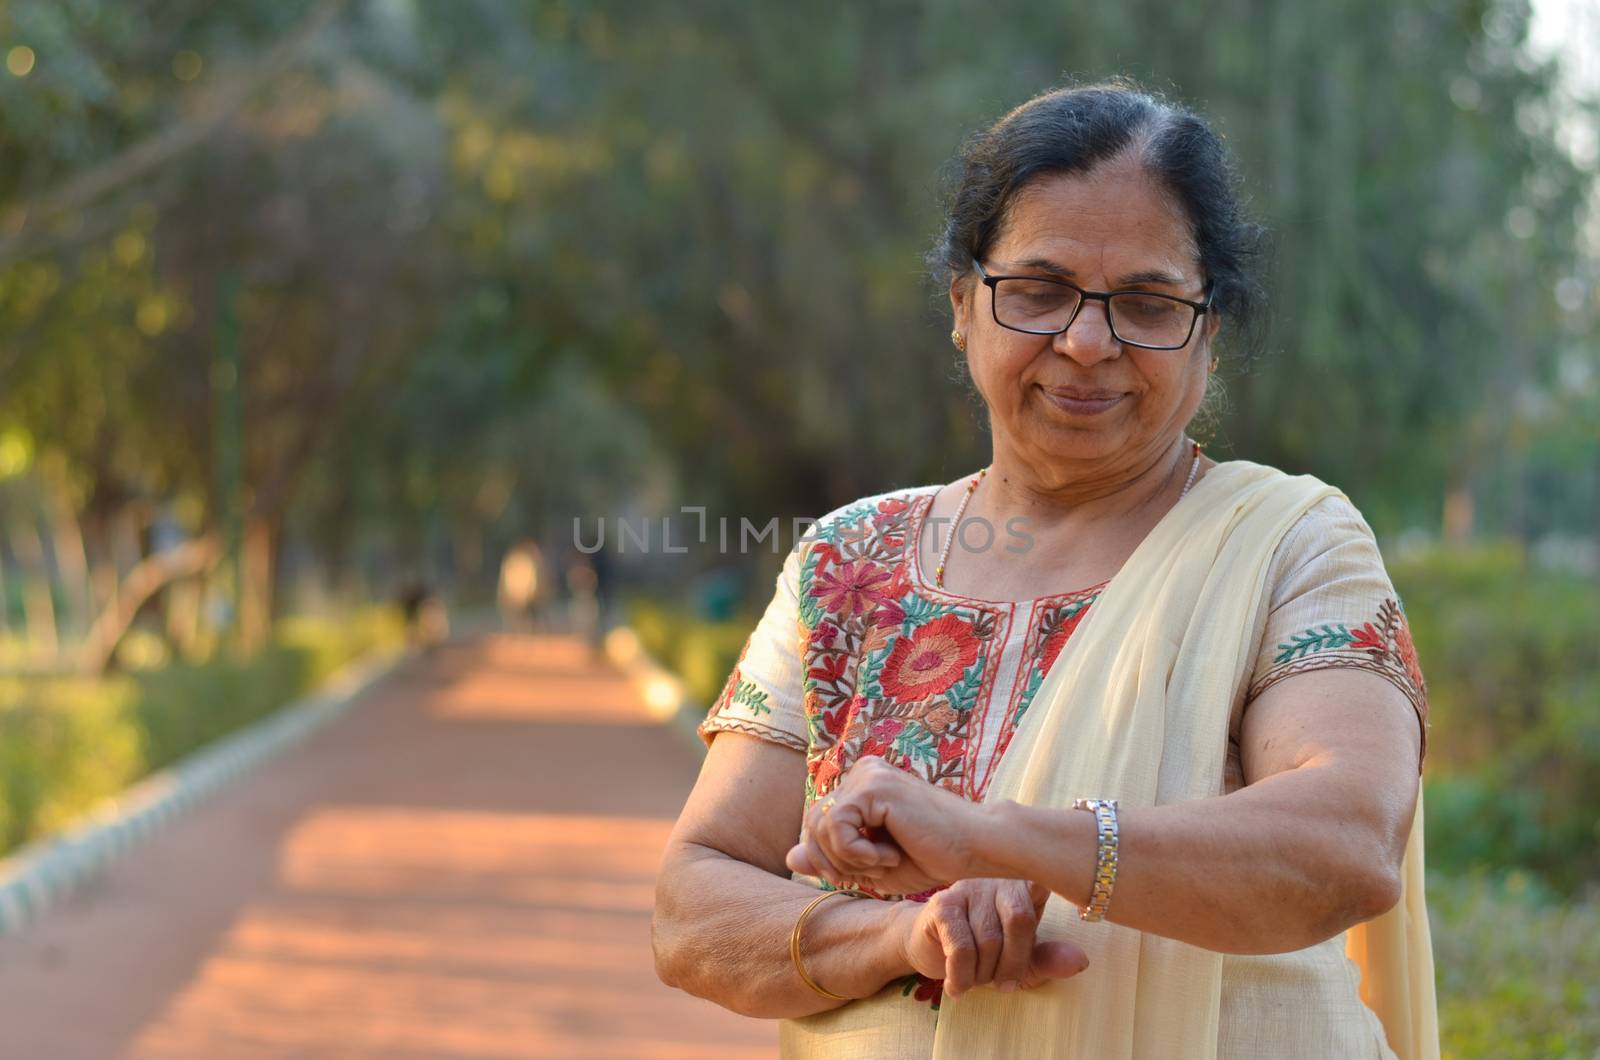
(1038, 306)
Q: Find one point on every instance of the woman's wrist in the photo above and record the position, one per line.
(1052, 847)
(857, 947)
(902, 921)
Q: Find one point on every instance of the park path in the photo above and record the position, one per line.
(460, 867)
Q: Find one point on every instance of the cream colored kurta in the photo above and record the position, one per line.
(1133, 709)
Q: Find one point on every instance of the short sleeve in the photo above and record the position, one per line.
(763, 696)
(1332, 605)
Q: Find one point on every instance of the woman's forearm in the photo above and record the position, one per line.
(1276, 866)
(721, 932)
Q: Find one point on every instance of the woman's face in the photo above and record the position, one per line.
(1081, 404)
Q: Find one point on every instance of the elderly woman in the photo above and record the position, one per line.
(1124, 763)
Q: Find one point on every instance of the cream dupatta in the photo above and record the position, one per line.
(1136, 708)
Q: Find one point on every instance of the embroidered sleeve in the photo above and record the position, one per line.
(762, 696)
(1334, 606)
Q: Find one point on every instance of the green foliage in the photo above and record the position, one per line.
(700, 653)
(66, 744)
(504, 263)
(189, 705)
(1513, 669)
(329, 643)
(1518, 970)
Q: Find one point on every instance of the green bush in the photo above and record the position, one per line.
(1513, 666)
(66, 744)
(189, 705)
(329, 643)
(1518, 968)
(700, 653)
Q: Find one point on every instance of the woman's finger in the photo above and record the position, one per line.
(842, 840)
(960, 951)
(798, 859)
(822, 866)
(816, 836)
(835, 823)
(987, 934)
(1015, 909)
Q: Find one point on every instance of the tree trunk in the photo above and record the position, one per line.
(1458, 513)
(149, 577)
(38, 605)
(255, 595)
(101, 557)
(72, 557)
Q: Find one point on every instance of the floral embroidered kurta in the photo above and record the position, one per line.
(859, 654)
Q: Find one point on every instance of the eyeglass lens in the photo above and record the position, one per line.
(1040, 306)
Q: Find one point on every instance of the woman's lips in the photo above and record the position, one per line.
(1082, 401)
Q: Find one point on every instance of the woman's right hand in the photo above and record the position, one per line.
(981, 931)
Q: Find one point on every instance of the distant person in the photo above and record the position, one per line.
(1155, 726)
(583, 601)
(427, 620)
(519, 586)
(604, 588)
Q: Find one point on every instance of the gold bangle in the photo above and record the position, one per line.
(1105, 863)
(794, 945)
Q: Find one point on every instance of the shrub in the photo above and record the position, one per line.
(1518, 969)
(68, 743)
(1513, 669)
(65, 744)
(700, 653)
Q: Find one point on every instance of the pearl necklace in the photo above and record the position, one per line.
(1194, 469)
(944, 556)
(955, 524)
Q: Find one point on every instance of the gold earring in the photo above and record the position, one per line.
(1214, 361)
(960, 340)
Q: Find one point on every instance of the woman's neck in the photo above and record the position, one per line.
(1013, 488)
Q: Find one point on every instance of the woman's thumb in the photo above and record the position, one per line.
(1055, 960)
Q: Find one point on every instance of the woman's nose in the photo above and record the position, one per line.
(1089, 339)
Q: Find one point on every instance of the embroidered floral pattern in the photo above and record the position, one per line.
(855, 588)
(930, 660)
(737, 691)
(896, 668)
(1381, 645)
(901, 671)
(929, 990)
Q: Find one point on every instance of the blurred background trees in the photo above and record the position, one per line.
(350, 288)
(302, 301)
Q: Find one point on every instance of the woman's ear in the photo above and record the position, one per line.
(961, 302)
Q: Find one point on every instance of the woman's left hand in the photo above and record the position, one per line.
(886, 827)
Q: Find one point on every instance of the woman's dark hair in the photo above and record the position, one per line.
(1071, 130)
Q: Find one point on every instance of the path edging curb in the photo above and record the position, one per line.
(39, 873)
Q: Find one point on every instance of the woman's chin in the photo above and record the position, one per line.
(1076, 439)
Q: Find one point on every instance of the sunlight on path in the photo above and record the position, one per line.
(463, 867)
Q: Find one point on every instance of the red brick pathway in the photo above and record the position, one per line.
(461, 867)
